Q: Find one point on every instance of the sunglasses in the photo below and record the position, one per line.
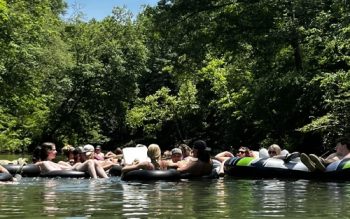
(241, 152)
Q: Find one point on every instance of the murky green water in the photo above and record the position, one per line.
(223, 198)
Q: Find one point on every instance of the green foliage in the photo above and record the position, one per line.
(30, 34)
(153, 111)
(336, 89)
(254, 85)
(231, 72)
(109, 57)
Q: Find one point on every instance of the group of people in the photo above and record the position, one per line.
(83, 160)
(195, 161)
(311, 161)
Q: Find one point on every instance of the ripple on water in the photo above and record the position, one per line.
(224, 198)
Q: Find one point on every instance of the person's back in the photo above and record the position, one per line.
(203, 165)
(196, 168)
(155, 163)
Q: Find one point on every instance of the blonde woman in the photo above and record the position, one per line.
(275, 151)
(155, 162)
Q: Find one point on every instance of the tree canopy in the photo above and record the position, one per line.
(230, 72)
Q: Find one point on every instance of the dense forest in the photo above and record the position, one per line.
(230, 72)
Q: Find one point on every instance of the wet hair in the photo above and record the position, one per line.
(41, 153)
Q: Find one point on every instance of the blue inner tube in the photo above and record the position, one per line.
(65, 174)
(144, 175)
(29, 170)
(5, 177)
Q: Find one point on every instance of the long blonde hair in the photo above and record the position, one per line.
(154, 153)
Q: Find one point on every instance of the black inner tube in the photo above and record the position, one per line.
(116, 170)
(30, 170)
(5, 177)
(151, 175)
(65, 174)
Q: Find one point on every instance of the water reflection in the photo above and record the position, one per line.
(221, 195)
(223, 198)
(274, 197)
(142, 199)
(50, 197)
(135, 199)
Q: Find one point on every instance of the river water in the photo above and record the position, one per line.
(222, 198)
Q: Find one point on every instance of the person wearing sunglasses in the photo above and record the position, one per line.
(225, 155)
(244, 152)
(275, 151)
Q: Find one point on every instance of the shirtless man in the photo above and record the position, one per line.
(201, 165)
(313, 162)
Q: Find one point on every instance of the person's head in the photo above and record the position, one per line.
(46, 151)
(118, 151)
(80, 154)
(67, 151)
(77, 154)
(98, 149)
(89, 151)
(166, 155)
(176, 155)
(199, 145)
(343, 146)
(186, 150)
(201, 151)
(274, 150)
(243, 152)
(153, 152)
(203, 156)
